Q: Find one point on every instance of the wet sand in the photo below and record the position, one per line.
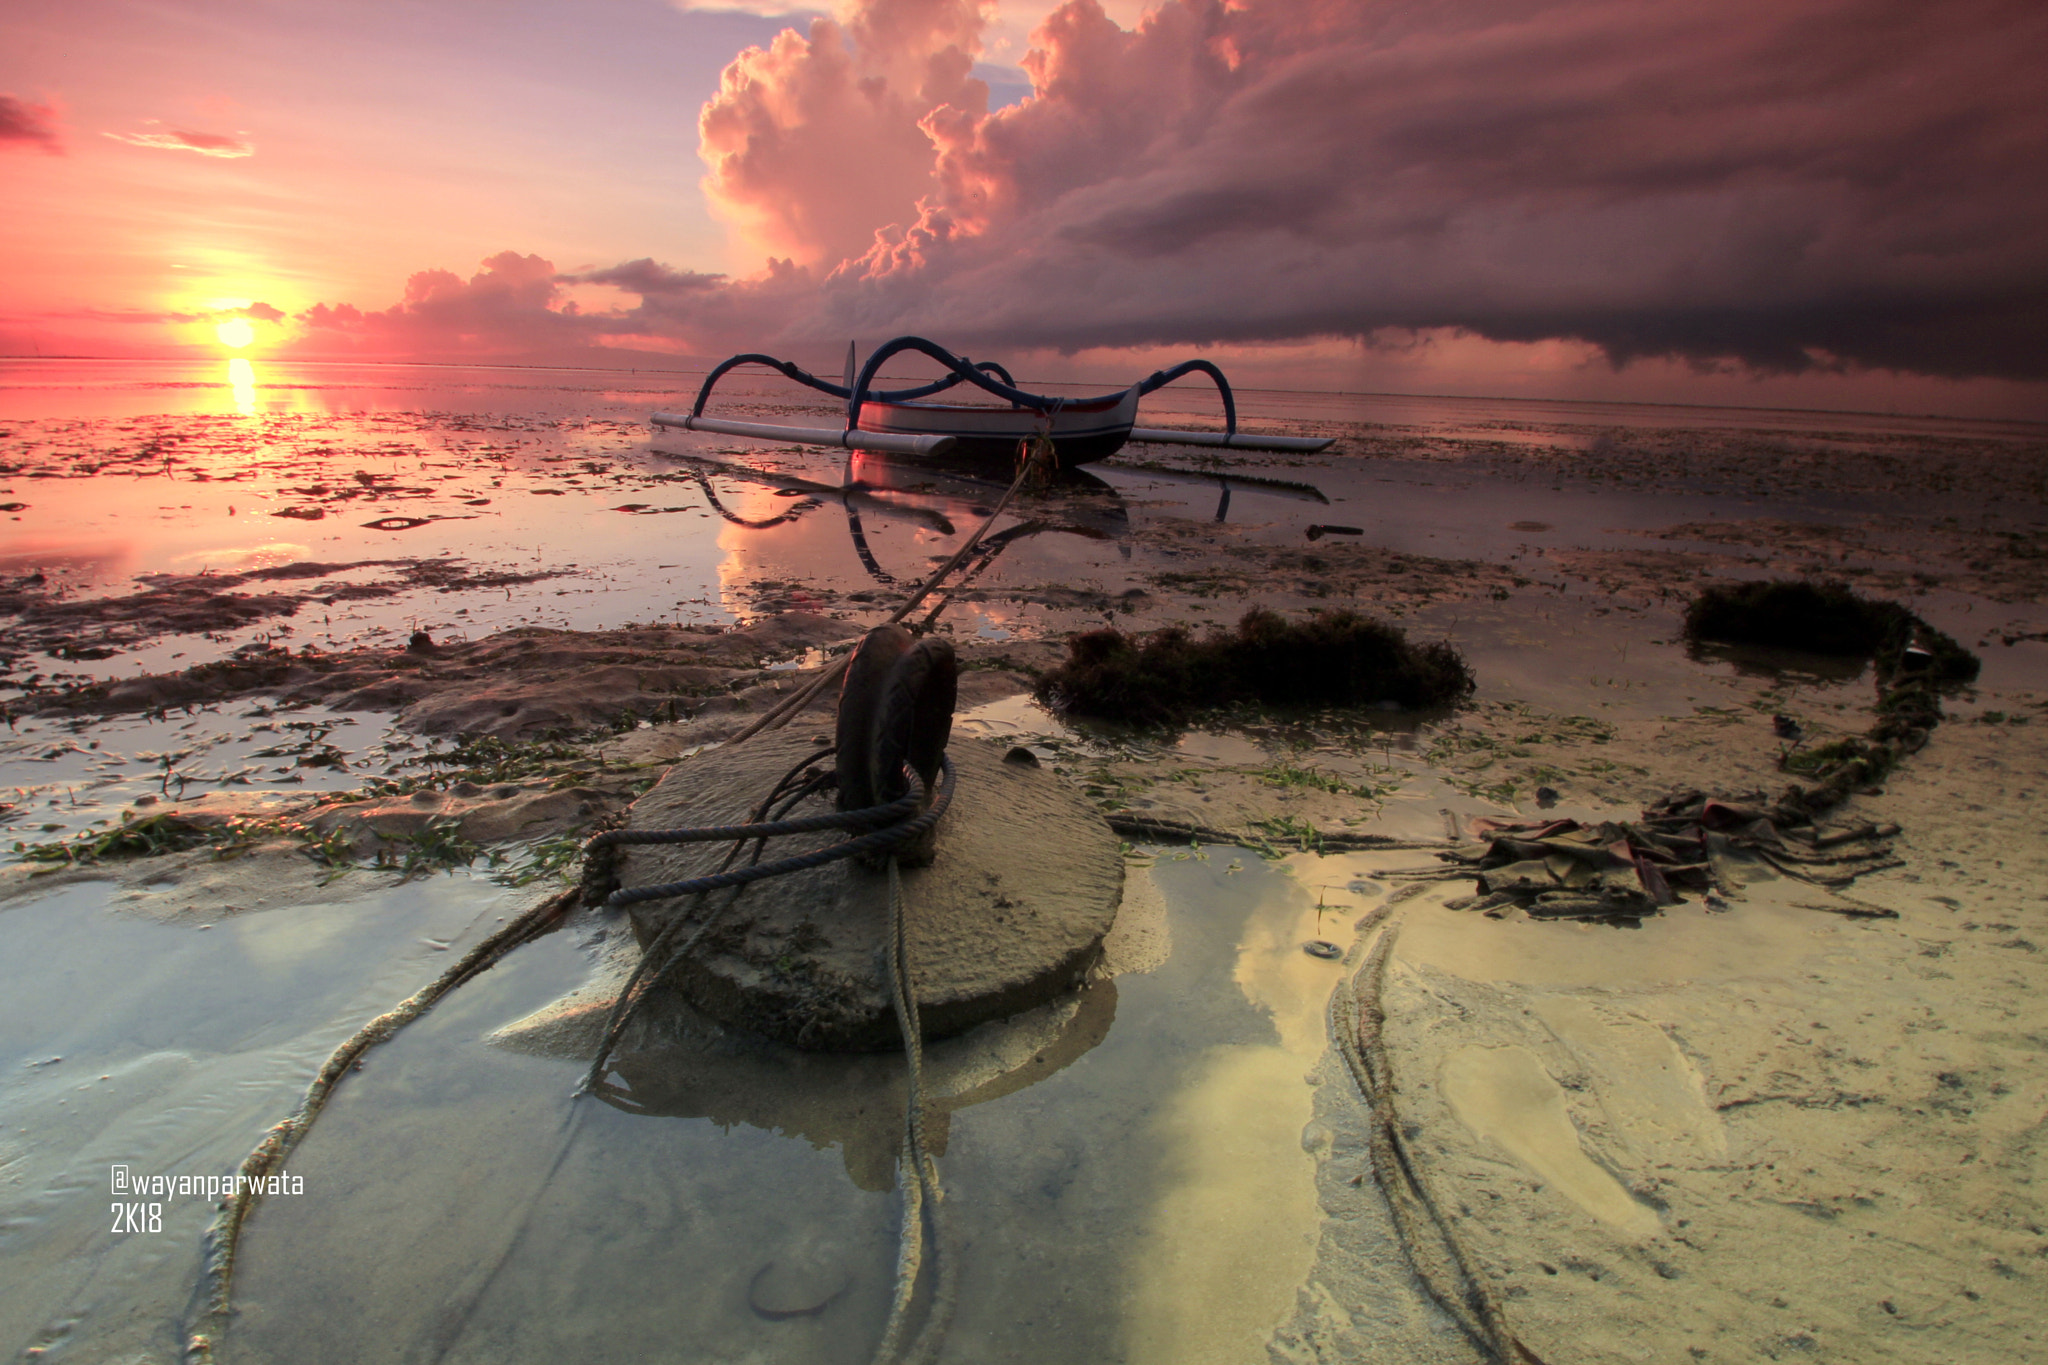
(1763, 1131)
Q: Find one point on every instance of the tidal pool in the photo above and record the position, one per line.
(1133, 1182)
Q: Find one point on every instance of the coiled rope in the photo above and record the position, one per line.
(921, 1236)
(660, 959)
(906, 827)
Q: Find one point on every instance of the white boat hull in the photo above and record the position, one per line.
(1081, 433)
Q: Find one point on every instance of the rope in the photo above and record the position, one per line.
(781, 714)
(1358, 1021)
(808, 824)
(920, 1174)
(921, 1227)
(877, 842)
(633, 992)
(640, 985)
(224, 1237)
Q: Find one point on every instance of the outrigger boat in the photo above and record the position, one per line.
(894, 422)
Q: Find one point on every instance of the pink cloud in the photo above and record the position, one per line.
(23, 124)
(507, 306)
(770, 9)
(181, 140)
(258, 311)
(815, 141)
(515, 305)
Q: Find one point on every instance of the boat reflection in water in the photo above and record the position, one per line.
(932, 497)
(1071, 548)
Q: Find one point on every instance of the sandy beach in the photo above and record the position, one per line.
(358, 650)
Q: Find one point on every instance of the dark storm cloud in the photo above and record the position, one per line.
(1783, 185)
(648, 278)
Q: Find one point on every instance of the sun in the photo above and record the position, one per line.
(235, 332)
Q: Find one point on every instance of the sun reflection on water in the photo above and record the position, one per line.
(242, 379)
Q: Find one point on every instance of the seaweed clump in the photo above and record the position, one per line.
(1916, 663)
(1826, 617)
(1336, 658)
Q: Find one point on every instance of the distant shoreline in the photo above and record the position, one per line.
(1385, 395)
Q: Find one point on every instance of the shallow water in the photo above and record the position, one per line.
(128, 470)
(1158, 1187)
(168, 1050)
(459, 1204)
(521, 1209)
(69, 777)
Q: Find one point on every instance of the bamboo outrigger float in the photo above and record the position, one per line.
(894, 422)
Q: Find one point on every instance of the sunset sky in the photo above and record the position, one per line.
(1833, 203)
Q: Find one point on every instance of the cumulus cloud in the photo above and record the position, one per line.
(507, 306)
(816, 140)
(23, 124)
(184, 140)
(1788, 184)
(515, 305)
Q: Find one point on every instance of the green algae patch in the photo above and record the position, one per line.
(145, 838)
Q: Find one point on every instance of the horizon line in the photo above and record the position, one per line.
(1070, 383)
